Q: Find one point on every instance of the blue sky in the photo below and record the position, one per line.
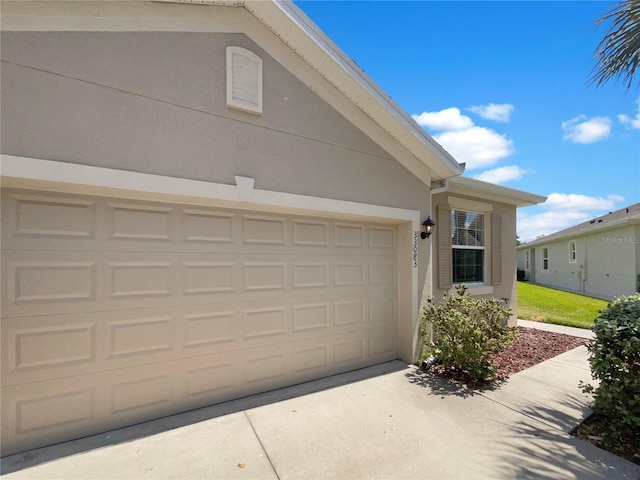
(503, 86)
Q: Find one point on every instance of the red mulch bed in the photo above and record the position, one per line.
(532, 346)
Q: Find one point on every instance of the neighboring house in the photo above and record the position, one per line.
(203, 202)
(599, 257)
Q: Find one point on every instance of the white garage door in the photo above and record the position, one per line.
(117, 311)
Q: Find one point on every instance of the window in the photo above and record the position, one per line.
(545, 259)
(572, 251)
(468, 244)
(244, 80)
(527, 263)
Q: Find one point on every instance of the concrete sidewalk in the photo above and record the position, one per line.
(550, 327)
(389, 421)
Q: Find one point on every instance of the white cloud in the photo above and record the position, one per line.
(627, 121)
(498, 112)
(563, 210)
(531, 227)
(586, 130)
(447, 119)
(501, 174)
(577, 202)
(479, 147)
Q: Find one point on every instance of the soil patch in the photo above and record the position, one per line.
(591, 431)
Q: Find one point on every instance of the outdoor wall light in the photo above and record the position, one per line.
(427, 228)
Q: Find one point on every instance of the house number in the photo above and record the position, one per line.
(415, 249)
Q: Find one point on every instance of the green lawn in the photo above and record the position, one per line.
(555, 306)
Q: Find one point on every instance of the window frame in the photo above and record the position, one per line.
(545, 258)
(573, 251)
(483, 247)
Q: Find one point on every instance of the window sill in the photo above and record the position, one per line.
(476, 289)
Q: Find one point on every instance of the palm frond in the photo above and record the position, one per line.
(618, 53)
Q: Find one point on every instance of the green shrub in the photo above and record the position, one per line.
(615, 363)
(467, 332)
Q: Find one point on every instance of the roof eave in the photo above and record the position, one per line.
(359, 88)
(597, 228)
(496, 193)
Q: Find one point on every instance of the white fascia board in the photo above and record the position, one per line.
(27, 172)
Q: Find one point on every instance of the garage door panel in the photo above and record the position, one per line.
(45, 344)
(264, 230)
(383, 311)
(311, 359)
(71, 222)
(311, 318)
(118, 311)
(382, 344)
(70, 282)
(349, 350)
(40, 347)
(48, 216)
(204, 227)
(207, 277)
(137, 222)
(351, 312)
(65, 408)
(41, 279)
(310, 233)
(383, 238)
(47, 412)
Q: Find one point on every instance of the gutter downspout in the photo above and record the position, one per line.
(434, 191)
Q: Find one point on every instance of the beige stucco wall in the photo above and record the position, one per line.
(507, 288)
(155, 103)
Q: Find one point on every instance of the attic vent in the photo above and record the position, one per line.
(244, 80)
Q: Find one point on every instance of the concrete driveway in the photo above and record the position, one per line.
(390, 421)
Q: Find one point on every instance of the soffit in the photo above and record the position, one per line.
(495, 193)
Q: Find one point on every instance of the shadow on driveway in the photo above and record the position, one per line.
(20, 461)
(444, 388)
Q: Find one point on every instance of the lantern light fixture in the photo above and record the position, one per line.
(427, 228)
